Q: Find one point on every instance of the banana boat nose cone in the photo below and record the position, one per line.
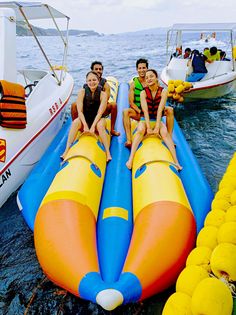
(109, 299)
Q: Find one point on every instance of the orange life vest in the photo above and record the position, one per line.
(153, 104)
(12, 105)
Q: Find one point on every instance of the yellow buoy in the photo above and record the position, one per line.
(178, 82)
(227, 233)
(187, 85)
(224, 193)
(233, 198)
(228, 181)
(171, 88)
(215, 218)
(178, 304)
(221, 204)
(181, 99)
(231, 168)
(170, 94)
(200, 256)
(208, 237)
(223, 261)
(176, 96)
(179, 89)
(230, 214)
(189, 279)
(211, 297)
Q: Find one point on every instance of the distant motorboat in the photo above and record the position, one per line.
(47, 93)
(209, 38)
(220, 79)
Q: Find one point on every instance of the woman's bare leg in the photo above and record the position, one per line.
(101, 128)
(137, 139)
(170, 144)
(169, 113)
(75, 127)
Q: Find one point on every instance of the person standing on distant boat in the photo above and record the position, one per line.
(135, 110)
(97, 67)
(198, 63)
(153, 99)
(91, 106)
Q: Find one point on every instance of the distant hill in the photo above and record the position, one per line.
(22, 29)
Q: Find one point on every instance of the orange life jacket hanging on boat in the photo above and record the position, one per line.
(12, 105)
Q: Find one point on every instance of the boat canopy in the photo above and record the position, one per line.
(204, 27)
(33, 10)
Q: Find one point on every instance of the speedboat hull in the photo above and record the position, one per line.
(22, 148)
(211, 86)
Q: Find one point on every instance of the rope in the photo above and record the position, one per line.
(225, 280)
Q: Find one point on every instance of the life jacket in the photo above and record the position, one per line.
(198, 63)
(12, 105)
(102, 83)
(73, 109)
(153, 104)
(137, 90)
(210, 57)
(91, 104)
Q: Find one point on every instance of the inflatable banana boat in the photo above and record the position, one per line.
(117, 253)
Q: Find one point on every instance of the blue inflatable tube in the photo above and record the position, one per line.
(35, 187)
(115, 220)
(197, 188)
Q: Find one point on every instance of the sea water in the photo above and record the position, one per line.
(209, 127)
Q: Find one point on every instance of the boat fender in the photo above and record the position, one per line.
(176, 89)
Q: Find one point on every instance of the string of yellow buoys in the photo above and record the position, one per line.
(206, 285)
(176, 89)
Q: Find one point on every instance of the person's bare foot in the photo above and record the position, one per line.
(115, 133)
(63, 156)
(179, 167)
(109, 158)
(128, 144)
(129, 164)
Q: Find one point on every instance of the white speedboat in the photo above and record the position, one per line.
(47, 91)
(221, 76)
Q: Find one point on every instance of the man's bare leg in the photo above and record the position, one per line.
(129, 113)
(112, 108)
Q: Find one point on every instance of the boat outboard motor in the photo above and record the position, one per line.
(8, 45)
